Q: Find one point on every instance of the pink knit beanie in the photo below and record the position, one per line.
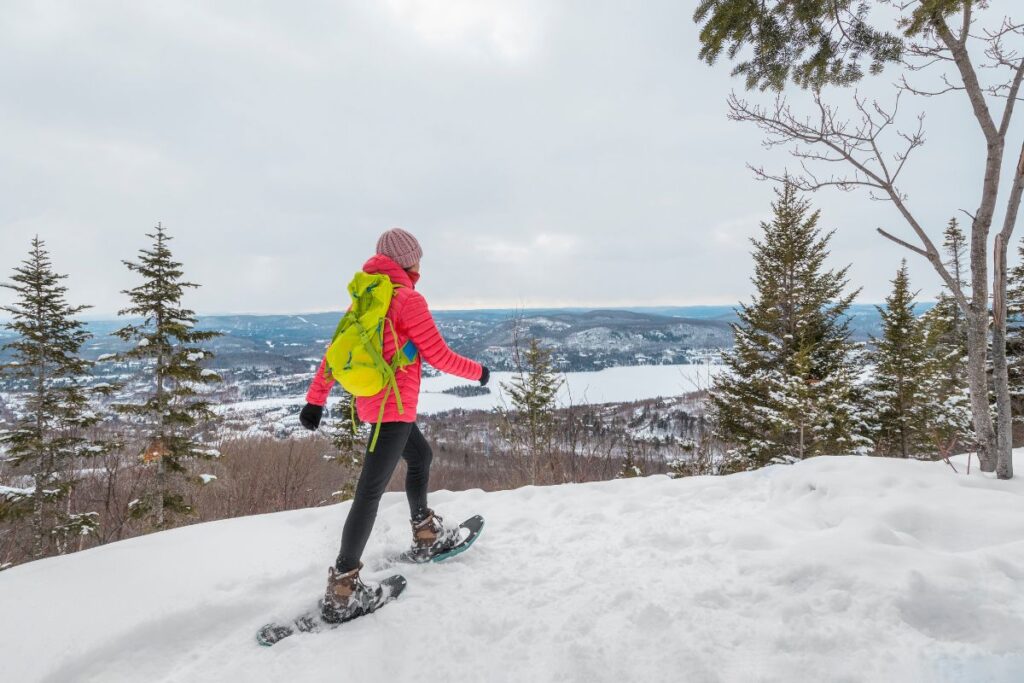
(401, 247)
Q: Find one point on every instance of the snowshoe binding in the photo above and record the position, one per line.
(434, 542)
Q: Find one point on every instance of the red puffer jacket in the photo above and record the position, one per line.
(413, 322)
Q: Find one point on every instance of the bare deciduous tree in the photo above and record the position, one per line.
(870, 149)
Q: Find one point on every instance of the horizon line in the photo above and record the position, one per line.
(105, 317)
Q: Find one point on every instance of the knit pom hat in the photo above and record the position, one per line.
(401, 247)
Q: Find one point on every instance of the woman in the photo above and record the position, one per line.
(398, 256)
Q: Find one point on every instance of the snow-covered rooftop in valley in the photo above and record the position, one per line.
(837, 568)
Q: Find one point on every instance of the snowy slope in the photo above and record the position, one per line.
(849, 569)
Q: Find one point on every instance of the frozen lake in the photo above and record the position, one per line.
(612, 385)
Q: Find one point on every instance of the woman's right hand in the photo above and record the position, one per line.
(310, 416)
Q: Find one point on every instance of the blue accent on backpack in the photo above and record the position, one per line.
(410, 350)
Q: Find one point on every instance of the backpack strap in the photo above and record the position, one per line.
(392, 386)
(396, 363)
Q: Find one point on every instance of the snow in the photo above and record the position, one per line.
(260, 404)
(842, 568)
(105, 357)
(611, 385)
(11, 492)
(195, 356)
(143, 343)
(208, 478)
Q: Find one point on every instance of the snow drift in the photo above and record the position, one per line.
(846, 568)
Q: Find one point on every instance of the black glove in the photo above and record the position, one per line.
(310, 416)
(485, 376)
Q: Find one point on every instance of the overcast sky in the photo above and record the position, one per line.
(554, 152)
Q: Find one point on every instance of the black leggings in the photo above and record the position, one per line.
(397, 439)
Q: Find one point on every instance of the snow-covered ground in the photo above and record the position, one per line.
(612, 385)
(834, 569)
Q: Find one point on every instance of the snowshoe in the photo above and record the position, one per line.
(347, 598)
(434, 542)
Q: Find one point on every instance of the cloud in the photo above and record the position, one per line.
(544, 246)
(540, 151)
(735, 233)
(509, 31)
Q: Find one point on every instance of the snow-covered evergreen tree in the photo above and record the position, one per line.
(629, 468)
(347, 435)
(948, 408)
(919, 389)
(49, 438)
(955, 243)
(174, 414)
(947, 401)
(533, 390)
(792, 385)
(348, 438)
(1015, 332)
(900, 365)
(946, 326)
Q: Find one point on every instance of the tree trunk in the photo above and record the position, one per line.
(1000, 370)
(38, 547)
(978, 332)
(160, 468)
(39, 544)
(977, 376)
(904, 449)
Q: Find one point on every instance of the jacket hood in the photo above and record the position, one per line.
(384, 265)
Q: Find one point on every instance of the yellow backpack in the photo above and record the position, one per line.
(355, 357)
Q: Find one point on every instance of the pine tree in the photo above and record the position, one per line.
(49, 437)
(629, 468)
(1015, 331)
(347, 438)
(174, 413)
(348, 432)
(898, 386)
(955, 243)
(791, 390)
(533, 390)
(947, 402)
(948, 407)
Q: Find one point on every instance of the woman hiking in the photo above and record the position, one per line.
(416, 335)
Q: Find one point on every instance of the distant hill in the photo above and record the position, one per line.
(583, 339)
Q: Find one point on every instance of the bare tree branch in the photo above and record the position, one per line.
(962, 58)
(824, 137)
(902, 243)
(1013, 203)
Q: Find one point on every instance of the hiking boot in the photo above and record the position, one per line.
(430, 537)
(347, 597)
